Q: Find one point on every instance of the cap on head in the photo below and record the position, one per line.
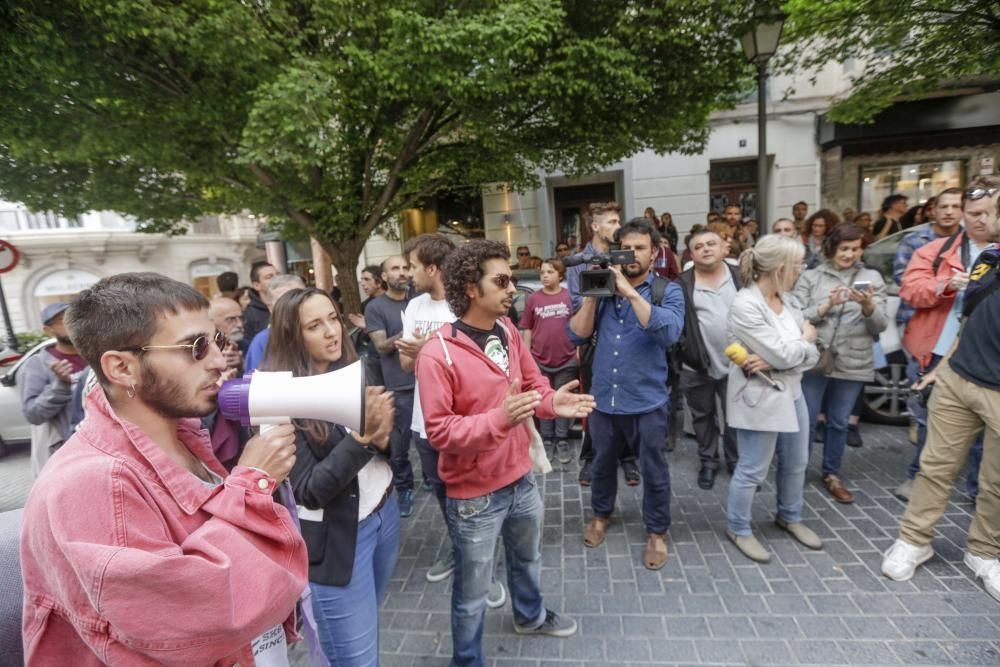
(50, 311)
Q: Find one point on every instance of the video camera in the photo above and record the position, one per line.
(599, 281)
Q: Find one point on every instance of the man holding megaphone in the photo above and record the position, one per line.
(137, 546)
(479, 387)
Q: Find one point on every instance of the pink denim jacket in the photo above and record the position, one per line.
(128, 559)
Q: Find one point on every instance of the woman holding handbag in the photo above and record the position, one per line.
(845, 301)
(764, 402)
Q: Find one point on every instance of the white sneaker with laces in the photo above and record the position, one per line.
(902, 559)
(988, 570)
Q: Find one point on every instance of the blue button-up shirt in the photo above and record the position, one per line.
(630, 361)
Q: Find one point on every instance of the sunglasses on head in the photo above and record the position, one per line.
(199, 347)
(972, 194)
(501, 280)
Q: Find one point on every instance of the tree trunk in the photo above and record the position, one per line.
(345, 257)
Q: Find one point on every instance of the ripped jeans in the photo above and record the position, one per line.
(514, 513)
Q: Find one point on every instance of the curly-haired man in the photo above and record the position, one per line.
(479, 388)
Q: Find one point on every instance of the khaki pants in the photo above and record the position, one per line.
(958, 410)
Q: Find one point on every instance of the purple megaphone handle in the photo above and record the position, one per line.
(234, 400)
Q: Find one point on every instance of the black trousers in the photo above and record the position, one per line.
(700, 392)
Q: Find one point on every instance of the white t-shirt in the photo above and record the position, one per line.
(373, 479)
(428, 315)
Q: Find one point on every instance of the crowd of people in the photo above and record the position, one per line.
(160, 531)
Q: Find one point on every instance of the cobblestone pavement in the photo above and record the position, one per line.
(709, 605)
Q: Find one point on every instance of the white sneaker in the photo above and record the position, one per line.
(988, 570)
(496, 596)
(902, 559)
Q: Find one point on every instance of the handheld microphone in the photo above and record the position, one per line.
(738, 355)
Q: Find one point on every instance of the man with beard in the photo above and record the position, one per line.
(47, 381)
(635, 327)
(479, 387)
(605, 218)
(384, 319)
(137, 548)
(227, 316)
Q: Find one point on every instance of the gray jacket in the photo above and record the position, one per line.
(44, 398)
(751, 403)
(854, 339)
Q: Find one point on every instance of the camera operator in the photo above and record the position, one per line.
(630, 379)
(605, 219)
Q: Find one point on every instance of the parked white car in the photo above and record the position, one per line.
(14, 428)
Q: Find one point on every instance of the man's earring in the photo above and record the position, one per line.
(131, 391)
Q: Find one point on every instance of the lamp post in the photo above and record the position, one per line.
(759, 45)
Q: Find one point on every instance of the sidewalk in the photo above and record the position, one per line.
(709, 605)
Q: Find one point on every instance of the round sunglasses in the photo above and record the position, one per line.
(199, 347)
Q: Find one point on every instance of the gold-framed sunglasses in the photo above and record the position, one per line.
(199, 347)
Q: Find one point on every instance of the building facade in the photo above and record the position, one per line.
(61, 256)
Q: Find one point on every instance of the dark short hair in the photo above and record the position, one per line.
(947, 191)
(227, 281)
(842, 233)
(376, 271)
(701, 231)
(639, 226)
(255, 270)
(120, 312)
(800, 203)
(431, 249)
(600, 207)
(464, 267)
(891, 200)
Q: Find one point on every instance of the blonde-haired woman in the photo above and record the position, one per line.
(764, 397)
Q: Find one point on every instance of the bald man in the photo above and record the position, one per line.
(227, 316)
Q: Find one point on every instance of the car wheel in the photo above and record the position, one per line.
(885, 397)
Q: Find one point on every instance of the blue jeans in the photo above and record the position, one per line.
(918, 413)
(645, 434)
(515, 514)
(840, 396)
(347, 616)
(399, 440)
(756, 451)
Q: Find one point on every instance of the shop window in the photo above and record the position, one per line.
(917, 181)
(458, 212)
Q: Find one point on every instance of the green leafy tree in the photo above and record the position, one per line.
(332, 116)
(902, 49)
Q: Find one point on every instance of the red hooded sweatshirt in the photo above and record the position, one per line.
(462, 393)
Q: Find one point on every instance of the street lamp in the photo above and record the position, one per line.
(759, 44)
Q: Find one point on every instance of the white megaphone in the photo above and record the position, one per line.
(264, 397)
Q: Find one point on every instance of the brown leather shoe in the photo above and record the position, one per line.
(838, 490)
(655, 555)
(593, 534)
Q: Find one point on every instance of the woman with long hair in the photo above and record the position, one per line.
(845, 300)
(817, 226)
(342, 483)
(764, 397)
(666, 227)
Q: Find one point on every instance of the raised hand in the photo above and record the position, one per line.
(520, 406)
(567, 403)
(63, 371)
(380, 408)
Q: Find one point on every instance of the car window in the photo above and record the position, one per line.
(881, 254)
